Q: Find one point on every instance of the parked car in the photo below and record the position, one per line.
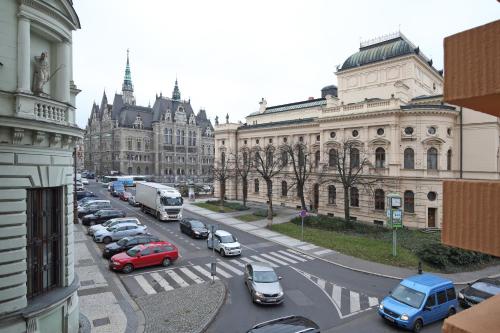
(84, 194)
(419, 300)
(151, 254)
(124, 195)
(102, 215)
(79, 186)
(87, 201)
(85, 181)
(224, 243)
(84, 200)
(90, 175)
(132, 202)
(110, 223)
(290, 324)
(194, 228)
(263, 284)
(118, 232)
(127, 243)
(479, 291)
(93, 206)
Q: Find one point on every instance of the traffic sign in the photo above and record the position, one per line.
(303, 213)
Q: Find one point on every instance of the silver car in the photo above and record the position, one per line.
(263, 283)
(111, 223)
(118, 232)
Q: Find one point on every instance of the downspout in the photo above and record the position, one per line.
(461, 143)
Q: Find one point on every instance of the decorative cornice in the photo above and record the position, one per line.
(55, 139)
(38, 137)
(397, 112)
(17, 136)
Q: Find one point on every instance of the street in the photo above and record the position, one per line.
(337, 299)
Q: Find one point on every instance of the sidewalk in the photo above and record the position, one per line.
(258, 228)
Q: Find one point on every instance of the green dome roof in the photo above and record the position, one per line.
(378, 52)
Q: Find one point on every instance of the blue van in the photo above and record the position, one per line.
(116, 188)
(418, 301)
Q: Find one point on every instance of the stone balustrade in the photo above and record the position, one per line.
(50, 112)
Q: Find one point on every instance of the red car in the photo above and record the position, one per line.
(155, 253)
(125, 195)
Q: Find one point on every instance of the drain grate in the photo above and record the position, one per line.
(101, 322)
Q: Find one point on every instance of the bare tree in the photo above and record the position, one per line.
(268, 163)
(221, 171)
(243, 165)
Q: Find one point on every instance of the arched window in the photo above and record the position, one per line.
(129, 170)
(432, 159)
(138, 170)
(257, 159)
(354, 197)
(284, 189)
(317, 156)
(409, 159)
(448, 160)
(284, 157)
(166, 172)
(379, 199)
(178, 137)
(245, 158)
(354, 157)
(332, 194)
(256, 185)
(380, 157)
(223, 158)
(333, 157)
(409, 202)
(182, 137)
(301, 157)
(269, 157)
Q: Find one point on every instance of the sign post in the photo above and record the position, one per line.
(213, 266)
(394, 217)
(302, 214)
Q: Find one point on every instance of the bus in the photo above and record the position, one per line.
(137, 178)
(126, 180)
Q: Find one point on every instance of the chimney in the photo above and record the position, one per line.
(263, 104)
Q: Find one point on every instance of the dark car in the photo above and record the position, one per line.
(127, 243)
(479, 291)
(290, 324)
(85, 194)
(83, 201)
(124, 195)
(193, 228)
(102, 216)
(91, 208)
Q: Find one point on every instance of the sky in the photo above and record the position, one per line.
(227, 55)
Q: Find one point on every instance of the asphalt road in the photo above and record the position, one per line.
(337, 299)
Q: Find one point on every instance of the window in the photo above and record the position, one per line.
(129, 143)
(448, 160)
(317, 157)
(409, 198)
(380, 131)
(355, 133)
(431, 130)
(409, 158)
(332, 157)
(146, 171)
(223, 159)
(332, 194)
(432, 156)
(431, 301)
(354, 157)
(245, 158)
(284, 158)
(270, 140)
(301, 139)
(409, 130)
(450, 293)
(223, 142)
(284, 189)
(178, 137)
(379, 157)
(332, 135)
(44, 239)
(129, 170)
(168, 136)
(269, 157)
(257, 141)
(183, 136)
(139, 143)
(432, 196)
(285, 140)
(379, 199)
(301, 157)
(256, 185)
(245, 141)
(138, 170)
(354, 197)
(441, 297)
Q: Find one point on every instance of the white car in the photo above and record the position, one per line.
(118, 232)
(111, 223)
(85, 181)
(224, 243)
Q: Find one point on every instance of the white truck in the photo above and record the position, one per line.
(159, 200)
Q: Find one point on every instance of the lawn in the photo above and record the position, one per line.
(249, 217)
(214, 208)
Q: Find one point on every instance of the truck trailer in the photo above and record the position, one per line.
(163, 202)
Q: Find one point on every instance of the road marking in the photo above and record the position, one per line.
(204, 272)
(274, 259)
(296, 257)
(307, 247)
(234, 261)
(177, 278)
(161, 281)
(318, 253)
(337, 294)
(354, 297)
(221, 272)
(283, 257)
(231, 268)
(191, 275)
(145, 285)
(321, 283)
(372, 301)
(264, 260)
(301, 254)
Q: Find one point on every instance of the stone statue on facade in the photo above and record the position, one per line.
(227, 118)
(216, 120)
(41, 74)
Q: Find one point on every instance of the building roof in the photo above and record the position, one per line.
(278, 123)
(293, 106)
(129, 113)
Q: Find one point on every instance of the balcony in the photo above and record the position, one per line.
(43, 109)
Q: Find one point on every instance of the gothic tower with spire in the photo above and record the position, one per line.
(127, 87)
(176, 94)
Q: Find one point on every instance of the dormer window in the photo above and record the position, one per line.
(138, 122)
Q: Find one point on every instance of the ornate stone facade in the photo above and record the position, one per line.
(389, 102)
(168, 140)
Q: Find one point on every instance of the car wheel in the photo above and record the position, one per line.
(451, 312)
(106, 240)
(127, 268)
(417, 327)
(166, 262)
(222, 253)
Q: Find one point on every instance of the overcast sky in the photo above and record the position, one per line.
(227, 55)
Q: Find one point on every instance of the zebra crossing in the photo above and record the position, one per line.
(149, 283)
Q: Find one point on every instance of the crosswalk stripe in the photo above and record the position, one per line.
(145, 285)
(373, 301)
(161, 281)
(177, 278)
(234, 261)
(204, 272)
(288, 254)
(274, 259)
(337, 294)
(191, 275)
(257, 258)
(231, 268)
(354, 301)
(321, 283)
(301, 254)
(283, 257)
(221, 272)
(325, 251)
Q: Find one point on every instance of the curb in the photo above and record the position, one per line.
(330, 261)
(221, 302)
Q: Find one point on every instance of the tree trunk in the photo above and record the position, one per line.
(269, 184)
(222, 195)
(245, 192)
(346, 205)
(301, 195)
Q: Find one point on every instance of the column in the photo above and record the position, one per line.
(23, 55)
(62, 77)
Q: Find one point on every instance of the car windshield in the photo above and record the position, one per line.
(264, 276)
(123, 241)
(487, 287)
(197, 224)
(408, 296)
(108, 222)
(133, 251)
(227, 239)
(165, 201)
(110, 229)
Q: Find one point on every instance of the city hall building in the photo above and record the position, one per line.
(389, 104)
(168, 140)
